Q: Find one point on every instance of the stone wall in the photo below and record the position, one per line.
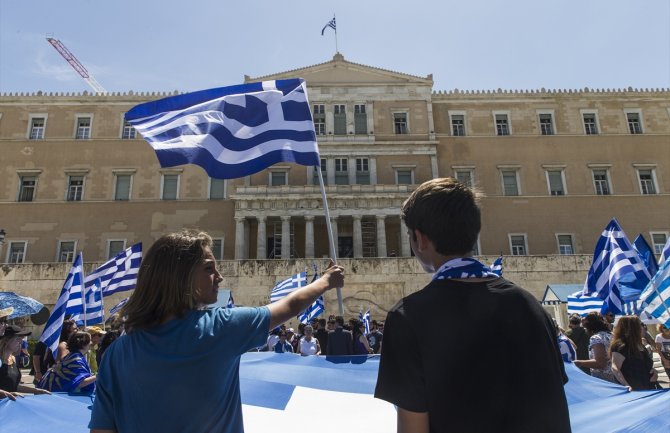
(376, 283)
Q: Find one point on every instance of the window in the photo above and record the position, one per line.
(170, 187)
(590, 123)
(341, 171)
(510, 182)
(122, 186)
(658, 241)
(458, 125)
(320, 119)
(27, 188)
(565, 244)
(217, 189)
(37, 125)
(114, 247)
(400, 123)
(634, 122)
(555, 182)
(404, 176)
(546, 124)
(340, 119)
(278, 178)
(75, 188)
(362, 171)
(16, 253)
(647, 182)
(464, 176)
(360, 119)
(128, 132)
(518, 245)
(502, 124)
(601, 181)
(66, 251)
(217, 248)
(324, 173)
(83, 128)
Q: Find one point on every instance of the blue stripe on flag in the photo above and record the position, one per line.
(231, 131)
(581, 304)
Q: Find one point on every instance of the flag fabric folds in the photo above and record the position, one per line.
(646, 254)
(656, 297)
(284, 288)
(233, 131)
(51, 334)
(317, 307)
(118, 274)
(94, 312)
(497, 266)
(579, 303)
(613, 259)
(115, 309)
(330, 24)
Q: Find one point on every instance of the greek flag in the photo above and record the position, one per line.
(365, 319)
(646, 254)
(656, 297)
(317, 306)
(94, 311)
(330, 24)
(284, 288)
(231, 301)
(75, 302)
(497, 266)
(665, 253)
(115, 309)
(231, 131)
(51, 333)
(118, 274)
(579, 303)
(613, 259)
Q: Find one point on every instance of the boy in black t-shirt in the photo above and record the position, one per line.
(505, 373)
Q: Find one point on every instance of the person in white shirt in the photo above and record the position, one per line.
(309, 345)
(663, 346)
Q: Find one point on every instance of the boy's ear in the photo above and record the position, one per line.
(421, 240)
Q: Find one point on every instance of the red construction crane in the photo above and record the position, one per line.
(76, 65)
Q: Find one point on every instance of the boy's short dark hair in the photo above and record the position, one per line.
(446, 211)
(575, 320)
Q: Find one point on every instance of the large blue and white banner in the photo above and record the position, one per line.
(279, 389)
(232, 131)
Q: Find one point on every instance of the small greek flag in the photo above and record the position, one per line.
(231, 301)
(330, 24)
(579, 303)
(115, 309)
(118, 274)
(284, 288)
(497, 266)
(365, 319)
(317, 306)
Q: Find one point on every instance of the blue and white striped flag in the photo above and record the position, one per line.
(317, 306)
(231, 301)
(665, 253)
(115, 309)
(118, 274)
(497, 266)
(614, 257)
(330, 24)
(284, 288)
(51, 333)
(579, 303)
(94, 311)
(233, 131)
(656, 296)
(365, 319)
(646, 254)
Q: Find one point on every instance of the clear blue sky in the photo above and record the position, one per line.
(156, 45)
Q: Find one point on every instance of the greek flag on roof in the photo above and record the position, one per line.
(656, 297)
(579, 303)
(665, 253)
(284, 288)
(51, 333)
(330, 24)
(231, 131)
(614, 258)
(118, 274)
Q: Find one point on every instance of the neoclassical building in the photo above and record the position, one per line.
(554, 167)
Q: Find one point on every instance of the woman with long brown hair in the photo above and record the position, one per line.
(177, 368)
(631, 363)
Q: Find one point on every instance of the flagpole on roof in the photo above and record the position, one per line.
(331, 240)
(336, 51)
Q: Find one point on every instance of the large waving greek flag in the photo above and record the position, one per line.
(284, 288)
(656, 297)
(51, 333)
(231, 131)
(613, 259)
(118, 274)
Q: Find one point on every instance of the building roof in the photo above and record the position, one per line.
(560, 292)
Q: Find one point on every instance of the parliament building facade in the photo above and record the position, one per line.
(554, 167)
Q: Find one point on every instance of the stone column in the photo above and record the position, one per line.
(358, 236)
(405, 249)
(285, 237)
(333, 226)
(239, 238)
(261, 239)
(351, 166)
(309, 236)
(372, 161)
(381, 236)
(433, 167)
(330, 171)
